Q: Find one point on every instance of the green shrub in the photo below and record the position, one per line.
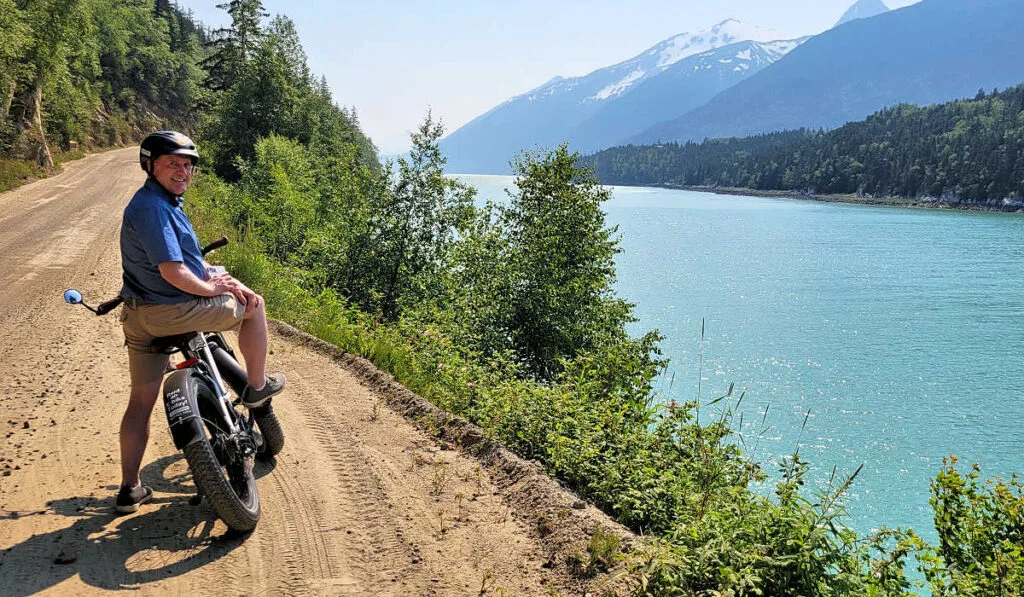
(981, 534)
(14, 173)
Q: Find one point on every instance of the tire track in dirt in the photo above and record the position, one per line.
(421, 507)
(305, 556)
(361, 507)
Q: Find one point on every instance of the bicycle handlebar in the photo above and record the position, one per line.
(112, 304)
(107, 307)
(220, 242)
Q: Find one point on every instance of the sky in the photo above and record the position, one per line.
(395, 60)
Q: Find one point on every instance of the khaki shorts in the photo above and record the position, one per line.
(145, 322)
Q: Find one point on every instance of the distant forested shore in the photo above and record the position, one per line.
(964, 154)
(925, 202)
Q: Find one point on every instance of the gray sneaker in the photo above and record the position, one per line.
(255, 398)
(130, 498)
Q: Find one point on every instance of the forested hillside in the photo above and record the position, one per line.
(966, 151)
(93, 73)
(96, 73)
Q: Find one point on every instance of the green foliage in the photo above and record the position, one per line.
(965, 150)
(562, 297)
(147, 59)
(255, 106)
(231, 49)
(981, 534)
(94, 72)
(266, 89)
(742, 543)
(417, 223)
(380, 237)
(276, 196)
(535, 277)
(603, 549)
(14, 173)
(14, 38)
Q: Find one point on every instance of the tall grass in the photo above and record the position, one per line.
(14, 173)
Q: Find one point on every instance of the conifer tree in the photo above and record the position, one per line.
(233, 47)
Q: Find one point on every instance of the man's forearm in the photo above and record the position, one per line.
(182, 278)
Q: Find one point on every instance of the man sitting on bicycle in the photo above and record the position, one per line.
(168, 291)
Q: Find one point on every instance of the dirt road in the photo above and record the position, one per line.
(358, 503)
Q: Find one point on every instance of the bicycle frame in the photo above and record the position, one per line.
(200, 358)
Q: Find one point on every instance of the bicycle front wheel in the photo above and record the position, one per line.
(220, 471)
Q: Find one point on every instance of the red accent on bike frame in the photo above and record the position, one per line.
(187, 363)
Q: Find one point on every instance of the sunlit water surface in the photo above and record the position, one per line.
(901, 331)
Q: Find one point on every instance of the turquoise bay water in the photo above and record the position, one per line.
(902, 331)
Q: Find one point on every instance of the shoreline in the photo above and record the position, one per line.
(839, 198)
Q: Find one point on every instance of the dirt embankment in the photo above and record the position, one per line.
(360, 502)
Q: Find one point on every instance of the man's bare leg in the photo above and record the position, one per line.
(135, 430)
(253, 342)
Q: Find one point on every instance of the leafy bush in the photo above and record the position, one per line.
(536, 276)
(981, 534)
(14, 173)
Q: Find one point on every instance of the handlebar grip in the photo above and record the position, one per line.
(220, 242)
(107, 307)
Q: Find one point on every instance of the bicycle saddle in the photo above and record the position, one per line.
(171, 344)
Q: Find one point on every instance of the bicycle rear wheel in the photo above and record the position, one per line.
(270, 429)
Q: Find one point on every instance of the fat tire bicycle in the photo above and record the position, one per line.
(219, 441)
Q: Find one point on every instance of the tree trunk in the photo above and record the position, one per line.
(7, 101)
(43, 155)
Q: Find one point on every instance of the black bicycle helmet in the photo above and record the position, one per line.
(166, 143)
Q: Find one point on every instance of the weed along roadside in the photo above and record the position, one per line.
(578, 536)
(15, 173)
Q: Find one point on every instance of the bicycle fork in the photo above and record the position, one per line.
(198, 345)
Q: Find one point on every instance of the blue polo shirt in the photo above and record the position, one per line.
(155, 230)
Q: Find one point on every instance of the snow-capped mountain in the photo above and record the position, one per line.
(684, 85)
(684, 71)
(613, 81)
(930, 52)
(863, 9)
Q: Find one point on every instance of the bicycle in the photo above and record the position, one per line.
(218, 441)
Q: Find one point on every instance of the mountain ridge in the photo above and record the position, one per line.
(549, 113)
(849, 72)
(863, 9)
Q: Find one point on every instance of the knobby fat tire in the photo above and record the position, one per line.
(273, 434)
(238, 513)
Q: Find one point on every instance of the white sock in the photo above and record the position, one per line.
(261, 386)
